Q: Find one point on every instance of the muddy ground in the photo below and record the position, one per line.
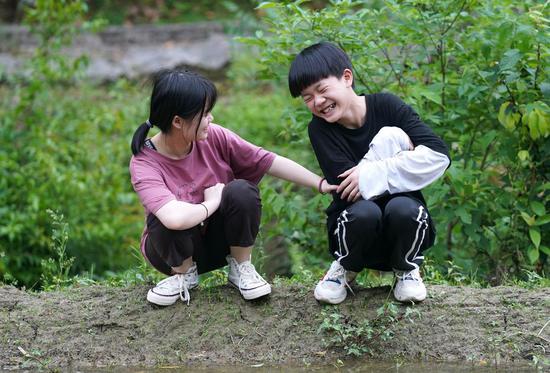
(105, 326)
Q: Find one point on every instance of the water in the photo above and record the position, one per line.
(351, 367)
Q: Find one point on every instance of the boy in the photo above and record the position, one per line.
(378, 217)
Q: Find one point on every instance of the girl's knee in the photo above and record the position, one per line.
(241, 192)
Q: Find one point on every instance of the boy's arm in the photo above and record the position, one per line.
(388, 142)
(407, 170)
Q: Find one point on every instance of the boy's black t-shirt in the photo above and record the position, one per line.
(338, 148)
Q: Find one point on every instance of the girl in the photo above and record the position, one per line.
(198, 184)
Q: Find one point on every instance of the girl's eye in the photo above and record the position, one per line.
(307, 98)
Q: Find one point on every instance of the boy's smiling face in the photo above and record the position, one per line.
(329, 98)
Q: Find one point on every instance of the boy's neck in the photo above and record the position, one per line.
(354, 117)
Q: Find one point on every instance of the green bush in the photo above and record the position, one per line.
(477, 72)
(59, 154)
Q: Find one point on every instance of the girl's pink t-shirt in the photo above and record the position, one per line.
(221, 158)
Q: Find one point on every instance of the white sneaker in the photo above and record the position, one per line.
(245, 278)
(332, 287)
(170, 289)
(409, 286)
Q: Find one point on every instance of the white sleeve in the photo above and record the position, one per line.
(404, 172)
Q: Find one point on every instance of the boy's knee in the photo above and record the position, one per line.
(391, 137)
(364, 213)
(388, 132)
(403, 210)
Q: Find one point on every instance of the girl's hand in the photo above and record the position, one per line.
(214, 193)
(349, 187)
(325, 187)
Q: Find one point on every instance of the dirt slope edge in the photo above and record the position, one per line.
(100, 326)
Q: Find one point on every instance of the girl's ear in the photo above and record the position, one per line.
(177, 122)
(348, 78)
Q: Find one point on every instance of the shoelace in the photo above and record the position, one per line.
(336, 275)
(182, 283)
(247, 274)
(409, 275)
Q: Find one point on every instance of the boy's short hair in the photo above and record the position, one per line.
(316, 62)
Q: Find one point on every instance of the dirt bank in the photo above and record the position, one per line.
(104, 326)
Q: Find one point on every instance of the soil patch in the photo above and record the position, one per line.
(106, 326)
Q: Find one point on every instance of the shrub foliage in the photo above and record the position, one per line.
(477, 72)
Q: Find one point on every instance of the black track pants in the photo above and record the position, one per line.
(389, 233)
(235, 223)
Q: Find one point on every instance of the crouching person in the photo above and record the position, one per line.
(381, 154)
(198, 184)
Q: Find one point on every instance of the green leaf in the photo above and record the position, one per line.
(504, 115)
(533, 124)
(544, 249)
(543, 122)
(528, 218)
(523, 155)
(545, 89)
(537, 208)
(267, 4)
(487, 139)
(509, 60)
(533, 254)
(534, 233)
(464, 215)
(543, 220)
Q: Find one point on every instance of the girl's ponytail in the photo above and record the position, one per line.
(139, 136)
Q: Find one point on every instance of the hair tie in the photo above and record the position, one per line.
(148, 123)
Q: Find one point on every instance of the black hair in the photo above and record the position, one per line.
(316, 62)
(182, 93)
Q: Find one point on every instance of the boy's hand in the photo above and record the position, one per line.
(349, 187)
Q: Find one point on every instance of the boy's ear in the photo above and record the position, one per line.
(348, 77)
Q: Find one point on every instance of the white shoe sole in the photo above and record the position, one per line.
(417, 298)
(329, 300)
(163, 300)
(258, 292)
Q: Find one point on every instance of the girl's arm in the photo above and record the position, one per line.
(289, 170)
(178, 215)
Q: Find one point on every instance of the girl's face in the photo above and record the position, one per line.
(202, 130)
(193, 131)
